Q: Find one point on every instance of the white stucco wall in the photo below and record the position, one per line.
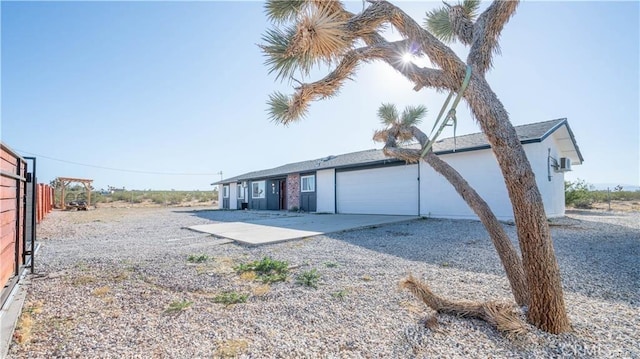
(392, 190)
(550, 182)
(440, 200)
(325, 191)
(219, 196)
(233, 196)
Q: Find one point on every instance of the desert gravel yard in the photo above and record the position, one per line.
(127, 283)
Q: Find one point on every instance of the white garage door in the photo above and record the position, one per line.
(387, 190)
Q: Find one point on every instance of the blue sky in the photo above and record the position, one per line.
(171, 87)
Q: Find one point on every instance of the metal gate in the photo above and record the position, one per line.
(18, 214)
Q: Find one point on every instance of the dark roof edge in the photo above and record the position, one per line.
(563, 121)
(573, 139)
(553, 129)
(353, 165)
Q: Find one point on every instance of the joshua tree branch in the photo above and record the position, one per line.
(420, 76)
(461, 25)
(380, 12)
(331, 84)
(486, 32)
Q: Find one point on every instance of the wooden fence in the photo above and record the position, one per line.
(22, 205)
(13, 182)
(44, 201)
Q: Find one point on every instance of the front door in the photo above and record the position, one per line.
(283, 194)
(274, 194)
(225, 197)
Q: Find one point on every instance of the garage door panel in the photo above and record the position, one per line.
(387, 190)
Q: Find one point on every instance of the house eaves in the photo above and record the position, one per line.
(529, 133)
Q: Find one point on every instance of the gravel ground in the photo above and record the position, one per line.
(106, 279)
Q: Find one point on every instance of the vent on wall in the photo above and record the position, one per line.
(565, 164)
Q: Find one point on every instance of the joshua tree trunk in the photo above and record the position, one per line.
(546, 305)
(507, 253)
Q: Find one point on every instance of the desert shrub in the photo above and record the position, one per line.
(309, 278)
(341, 294)
(576, 194)
(228, 298)
(156, 198)
(197, 258)
(580, 194)
(267, 269)
(178, 306)
(120, 196)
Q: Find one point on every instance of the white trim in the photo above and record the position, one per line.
(240, 191)
(313, 182)
(225, 191)
(262, 185)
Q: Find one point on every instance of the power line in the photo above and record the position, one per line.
(118, 169)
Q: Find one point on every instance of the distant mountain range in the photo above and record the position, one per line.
(611, 186)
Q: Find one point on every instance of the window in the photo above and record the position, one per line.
(225, 191)
(257, 189)
(240, 191)
(308, 183)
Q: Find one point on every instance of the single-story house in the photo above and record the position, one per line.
(368, 182)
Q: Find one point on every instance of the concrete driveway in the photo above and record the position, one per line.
(276, 229)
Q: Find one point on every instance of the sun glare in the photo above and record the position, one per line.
(407, 57)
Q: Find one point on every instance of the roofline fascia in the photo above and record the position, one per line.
(553, 129)
(575, 144)
(355, 165)
(563, 121)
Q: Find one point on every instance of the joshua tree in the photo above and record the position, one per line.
(315, 32)
(402, 128)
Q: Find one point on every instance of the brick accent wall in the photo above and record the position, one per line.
(293, 190)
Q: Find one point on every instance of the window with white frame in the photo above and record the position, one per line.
(225, 191)
(240, 191)
(257, 189)
(308, 183)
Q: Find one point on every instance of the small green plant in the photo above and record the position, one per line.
(197, 258)
(309, 278)
(330, 264)
(267, 269)
(576, 194)
(228, 298)
(341, 294)
(294, 209)
(177, 307)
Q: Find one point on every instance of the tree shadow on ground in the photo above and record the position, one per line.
(596, 259)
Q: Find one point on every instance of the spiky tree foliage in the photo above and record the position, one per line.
(452, 22)
(403, 129)
(398, 126)
(324, 32)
